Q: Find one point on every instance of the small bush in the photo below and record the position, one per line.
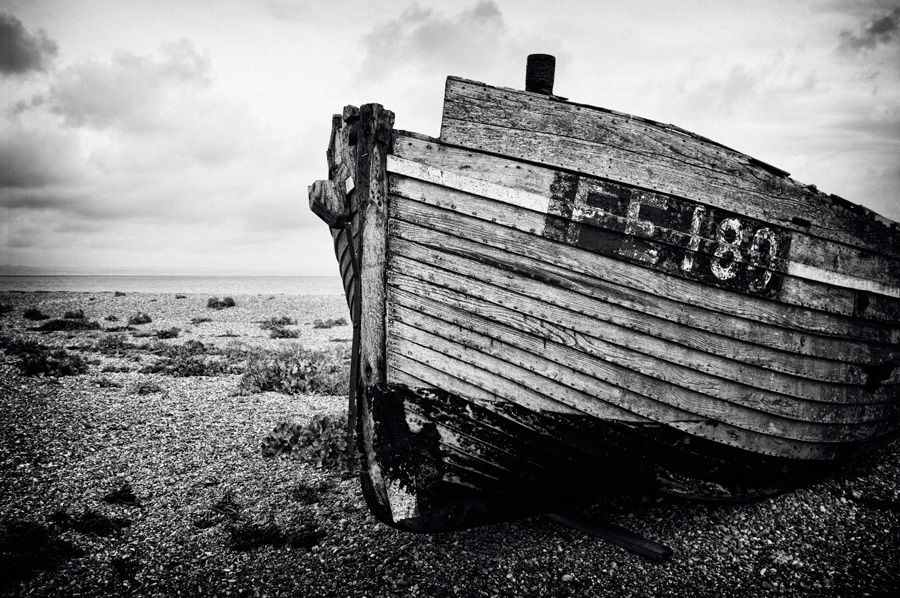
(322, 441)
(168, 333)
(329, 323)
(118, 294)
(181, 296)
(280, 332)
(33, 313)
(77, 314)
(111, 318)
(196, 321)
(188, 359)
(5, 308)
(139, 318)
(216, 303)
(114, 344)
(68, 325)
(296, 370)
(54, 362)
(277, 322)
(38, 359)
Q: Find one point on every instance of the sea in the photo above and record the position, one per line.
(222, 285)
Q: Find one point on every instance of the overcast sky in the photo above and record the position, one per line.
(166, 136)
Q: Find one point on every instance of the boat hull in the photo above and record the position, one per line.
(533, 332)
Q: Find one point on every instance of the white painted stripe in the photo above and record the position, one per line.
(453, 180)
(540, 203)
(841, 280)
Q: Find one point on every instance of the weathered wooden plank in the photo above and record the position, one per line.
(567, 448)
(826, 256)
(719, 249)
(375, 125)
(578, 138)
(716, 335)
(437, 350)
(540, 336)
(558, 368)
(502, 287)
(580, 259)
(518, 391)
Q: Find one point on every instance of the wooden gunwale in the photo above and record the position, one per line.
(533, 124)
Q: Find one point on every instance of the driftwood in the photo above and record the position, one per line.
(616, 535)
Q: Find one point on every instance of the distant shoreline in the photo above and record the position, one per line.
(182, 284)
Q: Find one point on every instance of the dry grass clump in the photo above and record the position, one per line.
(203, 320)
(281, 332)
(68, 325)
(172, 332)
(295, 370)
(33, 313)
(116, 345)
(329, 322)
(322, 441)
(187, 359)
(277, 322)
(37, 359)
(216, 303)
(139, 318)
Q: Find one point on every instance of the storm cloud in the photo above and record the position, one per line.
(21, 51)
(879, 30)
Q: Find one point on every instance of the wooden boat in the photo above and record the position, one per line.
(554, 300)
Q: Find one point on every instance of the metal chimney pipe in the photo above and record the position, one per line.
(539, 73)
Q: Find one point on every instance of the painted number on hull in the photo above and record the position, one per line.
(668, 233)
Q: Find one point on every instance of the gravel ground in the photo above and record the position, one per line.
(66, 443)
